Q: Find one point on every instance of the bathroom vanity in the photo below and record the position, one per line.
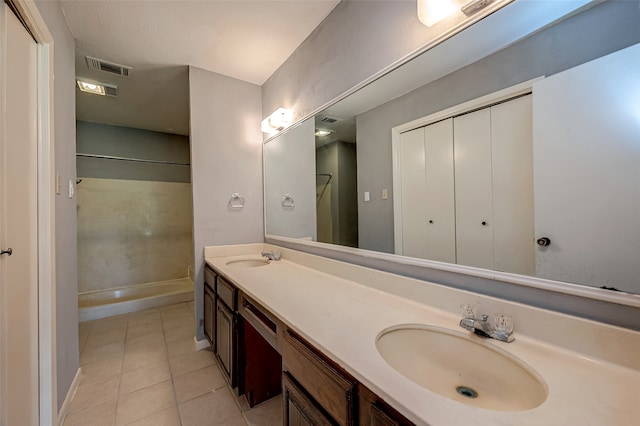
(350, 338)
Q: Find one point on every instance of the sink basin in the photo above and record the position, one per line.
(248, 263)
(467, 370)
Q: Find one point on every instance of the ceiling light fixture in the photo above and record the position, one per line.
(430, 12)
(277, 121)
(322, 133)
(102, 89)
(474, 6)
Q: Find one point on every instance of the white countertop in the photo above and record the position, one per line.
(343, 318)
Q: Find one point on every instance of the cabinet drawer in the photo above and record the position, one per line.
(210, 278)
(332, 389)
(228, 293)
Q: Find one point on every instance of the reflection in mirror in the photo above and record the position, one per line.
(580, 198)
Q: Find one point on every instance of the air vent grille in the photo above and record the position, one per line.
(110, 90)
(330, 120)
(110, 67)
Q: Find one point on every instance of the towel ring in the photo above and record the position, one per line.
(236, 201)
(287, 202)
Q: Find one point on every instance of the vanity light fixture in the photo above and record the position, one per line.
(277, 121)
(102, 89)
(474, 6)
(430, 12)
(322, 133)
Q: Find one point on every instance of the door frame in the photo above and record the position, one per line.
(474, 104)
(46, 326)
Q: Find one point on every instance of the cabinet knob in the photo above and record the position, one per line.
(543, 241)
(484, 223)
(430, 221)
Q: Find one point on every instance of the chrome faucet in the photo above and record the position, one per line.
(274, 255)
(501, 329)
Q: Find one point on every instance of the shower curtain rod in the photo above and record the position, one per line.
(136, 160)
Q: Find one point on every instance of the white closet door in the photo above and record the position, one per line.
(512, 166)
(473, 193)
(414, 201)
(440, 208)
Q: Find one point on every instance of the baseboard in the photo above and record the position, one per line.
(201, 344)
(70, 394)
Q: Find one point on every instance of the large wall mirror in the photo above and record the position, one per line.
(520, 156)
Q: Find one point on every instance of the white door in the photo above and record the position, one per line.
(440, 209)
(414, 200)
(473, 182)
(586, 172)
(512, 175)
(18, 227)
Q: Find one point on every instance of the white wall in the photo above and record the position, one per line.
(64, 115)
(226, 157)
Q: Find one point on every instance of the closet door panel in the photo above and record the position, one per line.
(440, 198)
(414, 202)
(512, 165)
(473, 189)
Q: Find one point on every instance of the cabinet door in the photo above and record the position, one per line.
(298, 408)
(439, 188)
(474, 215)
(512, 171)
(225, 340)
(414, 200)
(209, 316)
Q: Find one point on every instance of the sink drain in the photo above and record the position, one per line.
(466, 392)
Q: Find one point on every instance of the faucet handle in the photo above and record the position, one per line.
(468, 311)
(503, 323)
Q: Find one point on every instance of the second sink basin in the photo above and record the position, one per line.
(463, 369)
(248, 263)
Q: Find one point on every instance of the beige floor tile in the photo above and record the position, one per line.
(101, 353)
(94, 393)
(100, 415)
(102, 338)
(144, 402)
(148, 341)
(111, 323)
(143, 377)
(140, 330)
(143, 317)
(181, 347)
(269, 413)
(179, 333)
(101, 370)
(213, 408)
(189, 362)
(178, 322)
(198, 382)
(168, 417)
(143, 358)
(239, 421)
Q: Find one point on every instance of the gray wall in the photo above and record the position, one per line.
(116, 141)
(574, 41)
(67, 352)
(226, 157)
(354, 42)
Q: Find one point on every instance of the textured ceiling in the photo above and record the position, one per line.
(247, 40)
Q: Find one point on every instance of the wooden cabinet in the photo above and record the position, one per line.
(373, 411)
(298, 408)
(322, 382)
(227, 330)
(210, 307)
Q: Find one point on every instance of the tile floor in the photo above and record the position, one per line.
(142, 369)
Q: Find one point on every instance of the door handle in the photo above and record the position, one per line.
(8, 251)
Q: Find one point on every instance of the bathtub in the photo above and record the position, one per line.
(115, 301)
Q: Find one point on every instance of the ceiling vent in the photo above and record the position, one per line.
(110, 67)
(330, 120)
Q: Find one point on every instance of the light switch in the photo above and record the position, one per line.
(385, 194)
(366, 196)
(58, 185)
(72, 188)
